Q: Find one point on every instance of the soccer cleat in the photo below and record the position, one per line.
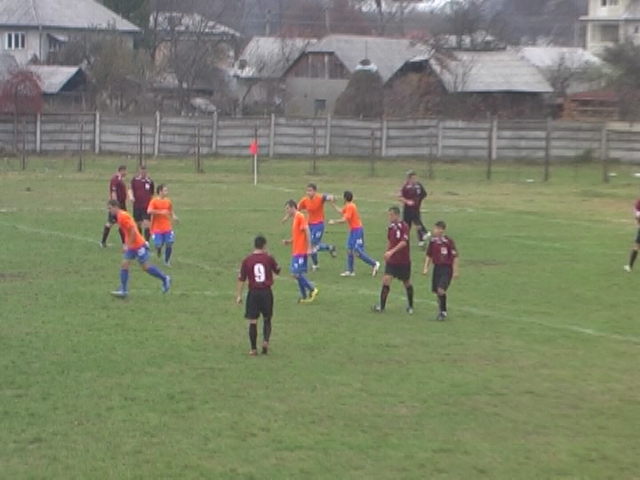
(314, 268)
(166, 284)
(103, 245)
(421, 243)
(410, 310)
(348, 274)
(303, 300)
(119, 294)
(167, 264)
(253, 353)
(332, 251)
(627, 268)
(314, 294)
(442, 316)
(265, 348)
(375, 269)
(377, 309)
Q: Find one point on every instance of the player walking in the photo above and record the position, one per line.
(397, 260)
(141, 193)
(300, 242)
(636, 245)
(411, 194)
(118, 193)
(135, 248)
(162, 217)
(355, 240)
(442, 252)
(258, 269)
(313, 204)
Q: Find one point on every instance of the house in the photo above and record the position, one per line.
(62, 87)
(598, 105)
(260, 69)
(568, 70)
(318, 77)
(609, 22)
(34, 29)
(475, 85)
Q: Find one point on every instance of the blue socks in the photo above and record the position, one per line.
(350, 262)
(168, 250)
(124, 280)
(304, 285)
(366, 258)
(155, 272)
(323, 247)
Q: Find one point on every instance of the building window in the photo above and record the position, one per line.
(320, 107)
(609, 3)
(15, 41)
(609, 33)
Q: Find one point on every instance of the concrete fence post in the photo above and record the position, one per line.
(156, 136)
(96, 132)
(39, 133)
(327, 147)
(383, 148)
(214, 135)
(272, 136)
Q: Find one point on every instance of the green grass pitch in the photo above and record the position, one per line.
(534, 376)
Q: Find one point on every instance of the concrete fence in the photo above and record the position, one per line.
(279, 136)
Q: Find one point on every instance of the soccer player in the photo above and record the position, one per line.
(442, 252)
(313, 204)
(162, 217)
(355, 240)
(636, 245)
(411, 194)
(258, 269)
(118, 193)
(301, 248)
(135, 248)
(397, 260)
(141, 193)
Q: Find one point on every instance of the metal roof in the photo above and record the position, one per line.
(185, 23)
(552, 57)
(53, 78)
(388, 54)
(486, 72)
(270, 57)
(62, 14)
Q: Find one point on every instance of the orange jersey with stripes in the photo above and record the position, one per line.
(160, 223)
(127, 225)
(351, 215)
(300, 245)
(314, 207)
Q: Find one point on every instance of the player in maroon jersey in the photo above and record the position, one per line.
(117, 192)
(141, 193)
(636, 245)
(442, 252)
(397, 260)
(258, 269)
(411, 194)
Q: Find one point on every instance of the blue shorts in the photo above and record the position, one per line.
(141, 254)
(299, 264)
(160, 239)
(355, 241)
(317, 231)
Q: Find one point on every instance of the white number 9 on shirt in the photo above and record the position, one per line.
(259, 273)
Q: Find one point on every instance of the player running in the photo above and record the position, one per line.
(258, 269)
(411, 194)
(636, 245)
(397, 260)
(140, 193)
(355, 240)
(134, 248)
(313, 204)
(162, 217)
(118, 193)
(300, 242)
(442, 252)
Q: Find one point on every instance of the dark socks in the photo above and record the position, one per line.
(105, 234)
(409, 289)
(383, 296)
(253, 335)
(632, 260)
(442, 299)
(147, 234)
(266, 329)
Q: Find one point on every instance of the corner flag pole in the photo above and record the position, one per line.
(253, 148)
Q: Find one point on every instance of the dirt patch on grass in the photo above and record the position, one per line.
(12, 276)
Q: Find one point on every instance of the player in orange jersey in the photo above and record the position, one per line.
(162, 215)
(355, 241)
(313, 204)
(135, 248)
(301, 248)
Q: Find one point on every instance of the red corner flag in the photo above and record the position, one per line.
(253, 148)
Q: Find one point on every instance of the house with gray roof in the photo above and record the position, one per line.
(37, 28)
(609, 22)
(318, 77)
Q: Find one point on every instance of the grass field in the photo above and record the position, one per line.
(534, 376)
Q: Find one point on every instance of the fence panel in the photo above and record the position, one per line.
(179, 135)
(465, 140)
(412, 138)
(122, 135)
(64, 133)
(20, 135)
(235, 136)
(521, 140)
(356, 138)
(300, 137)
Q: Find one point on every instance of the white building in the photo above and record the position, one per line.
(36, 28)
(610, 22)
